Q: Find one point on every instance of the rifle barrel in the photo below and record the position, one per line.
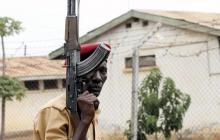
(68, 7)
(71, 7)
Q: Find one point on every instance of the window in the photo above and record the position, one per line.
(64, 83)
(145, 23)
(50, 84)
(136, 19)
(31, 85)
(144, 61)
(128, 25)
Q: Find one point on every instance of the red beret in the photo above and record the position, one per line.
(86, 49)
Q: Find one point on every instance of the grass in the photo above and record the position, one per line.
(203, 134)
(114, 136)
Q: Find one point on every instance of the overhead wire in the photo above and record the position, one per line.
(127, 34)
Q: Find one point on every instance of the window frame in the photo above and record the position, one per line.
(142, 64)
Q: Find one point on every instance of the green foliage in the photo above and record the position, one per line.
(148, 114)
(174, 104)
(141, 134)
(11, 87)
(9, 26)
(159, 110)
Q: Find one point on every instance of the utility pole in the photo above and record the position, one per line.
(135, 78)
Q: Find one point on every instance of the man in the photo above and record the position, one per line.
(54, 121)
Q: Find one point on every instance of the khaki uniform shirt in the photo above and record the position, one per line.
(53, 122)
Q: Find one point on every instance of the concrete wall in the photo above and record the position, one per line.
(20, 115)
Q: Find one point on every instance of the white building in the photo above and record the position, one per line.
(44, 79)
(183, 45)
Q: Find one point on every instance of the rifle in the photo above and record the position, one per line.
(75, 68)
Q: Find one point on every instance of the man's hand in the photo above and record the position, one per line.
(87, 103)
(86, 108)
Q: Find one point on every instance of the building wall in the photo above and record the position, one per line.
(190, 58)
(20, 114)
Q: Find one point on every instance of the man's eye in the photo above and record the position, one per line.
(103, 71)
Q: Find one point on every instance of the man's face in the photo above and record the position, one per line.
(96, 78)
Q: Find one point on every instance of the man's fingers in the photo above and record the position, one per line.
(90, 99)
(84, 93)
(87, 98)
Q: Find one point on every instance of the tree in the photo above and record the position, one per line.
(9, 88)
(174, 104)
(159, 110)
(8, 27)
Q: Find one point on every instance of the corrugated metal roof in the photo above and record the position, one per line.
(36, 66)
(211, 20)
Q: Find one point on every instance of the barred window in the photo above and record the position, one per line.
(31, 85)
(144, 61)
(50, 84)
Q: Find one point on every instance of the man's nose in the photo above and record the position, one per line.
(97, 77)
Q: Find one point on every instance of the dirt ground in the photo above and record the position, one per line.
(17, 136)
(20, 138)
(201, 134)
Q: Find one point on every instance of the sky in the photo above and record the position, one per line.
(44, 20)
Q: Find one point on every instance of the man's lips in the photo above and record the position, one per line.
(95, 88)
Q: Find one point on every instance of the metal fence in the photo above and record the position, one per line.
(189, 73)
(193, 65)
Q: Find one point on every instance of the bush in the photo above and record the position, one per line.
(159, 110)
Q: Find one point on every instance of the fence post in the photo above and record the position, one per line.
(134, 101)
(135, 78)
